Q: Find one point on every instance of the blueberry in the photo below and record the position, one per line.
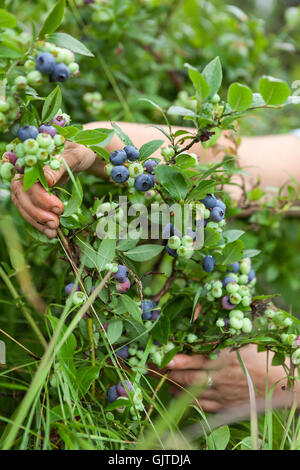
(221, 204)
(45, 62)
(191, 233)
(118, 157)
(123, 352)
(209, 201)
(120, 174)
(217, 214)
(60, 73)
(122, 389)
(121, 274)
(227, 280)
(148, 307)
(59, 120)
(144, 182)
(251, 275)
(47, 129)
(123, 286)
(235, 267)
(149, 165)
(168, 231)
(171, 252)
(11, 157)
(112, 394)
(208, 264)
(132, 153)
(226, 303)
(27, 132)
(155, 315)
(69, 288)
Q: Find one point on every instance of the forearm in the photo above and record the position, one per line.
(273, 158)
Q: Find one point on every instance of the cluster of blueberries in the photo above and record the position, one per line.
(120, 390)
(133, 174)
(9, 110)
(35, 144)
(94, 102)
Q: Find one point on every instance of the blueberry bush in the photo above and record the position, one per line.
(110, 301)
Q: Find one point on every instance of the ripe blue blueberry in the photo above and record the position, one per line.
(221, 204)
(155, 315)
(251, 275)
(112, 394)
(60, 73)
(210, 201)
(120, 174)
(148, 307)
(124, 389)
(217, 214)
(132, 153)
(235, 267)
(69, 288)
(27, 132)
(208, 264)
(118, 157)
(149, 165)
(171, 252)
(121, 274)
(123, 353)
(47, 129)
(144, 182)
(45, 62)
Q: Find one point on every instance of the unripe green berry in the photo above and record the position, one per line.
(206, 214)
(2, 118)
(168, 347)
(236, 314)
(220, 323)
(133, 361)
(270, 313)
(236, 323)
(55, 164)
(156, 358)
(139, 353)
(217, 292)
(29, 65)
(148, 324)
(6, 170)
(31, 147)
(167, 153)
(4, 106)
(243, 279)
(44, 140)
(235, 298)
(34, 78)
(187, 241)
(30, 160)
(245, 268)
(74, 68)
(215, 99)
(191, 338)
(174, 242)
(247, 325)
(20, 150)
(287, 322)
(135, 169)
(246, 301)
(78, 298)
(59, 140)
(21, 82)
(232, 288)
(42, 155)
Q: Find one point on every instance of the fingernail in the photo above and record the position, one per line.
(49, 233)
(56, 210)
(171, 364)
(51, 224)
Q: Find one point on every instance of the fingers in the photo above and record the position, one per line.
(182, 361)
(188, 377)
(46, 201)
(42, 228)
(209, 406)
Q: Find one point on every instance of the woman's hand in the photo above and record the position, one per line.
(40, 208)
(229, 386)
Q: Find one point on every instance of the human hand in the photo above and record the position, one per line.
(229, 385)
(40, 208)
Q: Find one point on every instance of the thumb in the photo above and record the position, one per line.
(53, 176)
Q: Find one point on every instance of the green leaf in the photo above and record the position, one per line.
(144, 252)
(92, 137)
(181, 111)
(149, 148)
(200, 84)
(161, 331)
(54, 19)
(121, 134)
(85, 377)
(51, 105)
(132, 308)
(31, 176)
(67, 41)
(273, 90)
(67, 350)
(278, 359)
(7, 20)
(185, 161)
(233, 252)
(239, 97)
(114, 330)
(75, 200)
(218, 439)
(172, 180)
(212, 237)
(232, 235)
(251, 253)
(213, 75)
(106, 252)
(203, 188)
(126, 244)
